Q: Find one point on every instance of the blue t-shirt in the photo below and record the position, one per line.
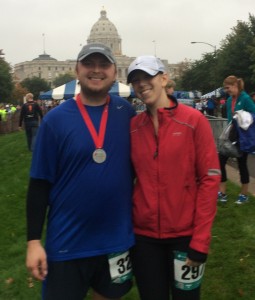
(90, 203)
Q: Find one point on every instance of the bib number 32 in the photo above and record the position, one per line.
(120, 267)
(186, 277)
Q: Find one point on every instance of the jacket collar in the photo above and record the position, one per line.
(170, 108)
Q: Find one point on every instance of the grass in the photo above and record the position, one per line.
(230, 271)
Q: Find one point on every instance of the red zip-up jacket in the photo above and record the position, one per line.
(178, 176)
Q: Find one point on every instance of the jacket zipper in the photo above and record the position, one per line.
(155, 156)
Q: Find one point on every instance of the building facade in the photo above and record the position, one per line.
(103, 31)
(45, 67)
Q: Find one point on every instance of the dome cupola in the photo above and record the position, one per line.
(105, 32)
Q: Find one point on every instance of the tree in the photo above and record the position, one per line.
(236, 56)
(201, 75)
(35, 85)
(64, 78)
(6, 82)
(18, 94)
(251, 50)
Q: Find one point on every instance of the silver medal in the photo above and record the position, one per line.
(99, 156)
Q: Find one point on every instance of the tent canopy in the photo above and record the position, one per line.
(217, 93)
(72, 88)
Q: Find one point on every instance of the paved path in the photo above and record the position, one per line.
(233, 174)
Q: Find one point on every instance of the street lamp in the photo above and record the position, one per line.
(214, 47)
(215, 53)
(155, 48)
(1, 53)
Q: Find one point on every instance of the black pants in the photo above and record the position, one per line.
(153, 266)
(242, 166)
(31, 128)
(71, 280)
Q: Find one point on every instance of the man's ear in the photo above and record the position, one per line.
(76, 68)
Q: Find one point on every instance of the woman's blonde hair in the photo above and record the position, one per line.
(233, 80)
(29, 96)
(170, 84)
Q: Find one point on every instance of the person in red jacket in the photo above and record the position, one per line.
(175, 194)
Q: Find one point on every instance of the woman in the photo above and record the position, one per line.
(238, 99)
(175, 195)
(170, 87)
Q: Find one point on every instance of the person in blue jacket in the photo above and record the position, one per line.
(81, 177)
(238, 99)
(210, 106)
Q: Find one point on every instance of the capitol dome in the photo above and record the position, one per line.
(105, 32)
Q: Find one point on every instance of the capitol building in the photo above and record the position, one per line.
(103, 31)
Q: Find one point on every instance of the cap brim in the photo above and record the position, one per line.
(146, 70)
(87, 54)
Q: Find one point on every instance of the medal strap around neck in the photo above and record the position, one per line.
(97, 138)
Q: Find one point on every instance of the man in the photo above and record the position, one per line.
(175, 195)
(210, 106)
(81, 170)
(30, 113)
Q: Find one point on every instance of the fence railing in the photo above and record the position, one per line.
(217, 125)
(11, 124)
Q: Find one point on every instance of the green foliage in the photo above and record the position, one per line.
(229, 274)
(6, 82)
(18, 94)
(35, 85)
(236, 56)
(201, 74)
(251, 50)
(62, 79)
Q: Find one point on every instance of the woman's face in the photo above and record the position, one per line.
(231, 89)
(149, 89)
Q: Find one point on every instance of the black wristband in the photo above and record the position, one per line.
(197, 256)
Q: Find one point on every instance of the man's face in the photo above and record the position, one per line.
(96, 74)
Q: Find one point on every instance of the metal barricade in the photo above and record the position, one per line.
(11, 123)
(217, 125)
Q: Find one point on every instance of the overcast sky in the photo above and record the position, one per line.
(172, 24)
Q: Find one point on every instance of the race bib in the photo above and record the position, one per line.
(186, 277)
(120, 267)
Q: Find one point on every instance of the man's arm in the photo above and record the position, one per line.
(39, 111)
(37, 203)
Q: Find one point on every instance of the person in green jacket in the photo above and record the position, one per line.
(237, 100)
(3, 113)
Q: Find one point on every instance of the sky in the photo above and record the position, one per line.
(164, 28)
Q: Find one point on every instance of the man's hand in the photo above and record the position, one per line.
(36, 260)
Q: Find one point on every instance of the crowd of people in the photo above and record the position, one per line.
(7, 110)
(125, 189)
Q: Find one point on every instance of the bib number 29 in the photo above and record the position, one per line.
(186, 277)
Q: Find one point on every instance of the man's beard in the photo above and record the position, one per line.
(95, 92)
